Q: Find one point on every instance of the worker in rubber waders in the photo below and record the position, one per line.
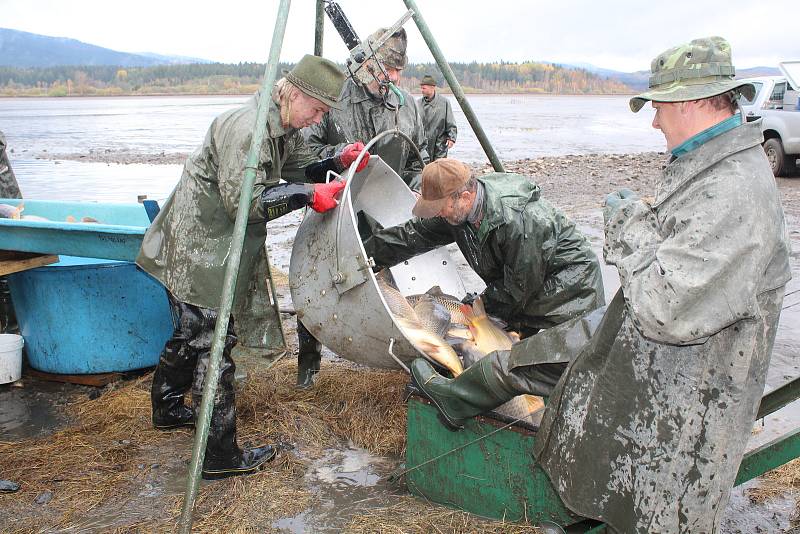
(9, 188)
(538, 268)
(366, 110)
(187, 245)
(437, 118)
(648, 418)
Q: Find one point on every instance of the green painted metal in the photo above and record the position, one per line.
(319, 27)
(495, 476)
(778, 398)
(769, 456)
(232, 270)
(458, 92)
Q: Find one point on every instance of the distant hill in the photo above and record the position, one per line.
(24, 49)
(638, 80)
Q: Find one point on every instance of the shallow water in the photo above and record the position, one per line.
(520, 126)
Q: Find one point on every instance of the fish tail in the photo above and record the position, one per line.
(478, 309)
(469, 313)
(17, 214)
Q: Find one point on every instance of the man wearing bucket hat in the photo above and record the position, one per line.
(437, 117)
(647, 425)
(362, 115)
(538, 268)
(187, 245)
(365, 114)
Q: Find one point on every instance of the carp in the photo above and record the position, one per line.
(423, 334)
(7, 211)
(488, 337)
(449, 302)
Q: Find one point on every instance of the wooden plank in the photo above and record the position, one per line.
(12, 261)
(97, 380)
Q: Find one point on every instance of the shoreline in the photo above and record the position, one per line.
(233, 95)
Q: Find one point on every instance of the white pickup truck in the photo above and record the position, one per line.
(776, 104)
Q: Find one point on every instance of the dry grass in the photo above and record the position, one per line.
(100, 465)
(781, 480)
(410, 515)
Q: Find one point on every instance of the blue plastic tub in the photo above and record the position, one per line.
(83, 316)
(117, 235)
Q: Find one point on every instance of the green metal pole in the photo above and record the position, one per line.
(232, 270)
(319, 27)
(458, 92)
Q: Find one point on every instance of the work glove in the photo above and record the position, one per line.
(323, 196)
(615, 200)
(469, 298)
(349, 153)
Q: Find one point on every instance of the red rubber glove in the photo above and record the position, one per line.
(349, 154)
(323, 196)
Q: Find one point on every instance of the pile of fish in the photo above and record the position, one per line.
(7, 211)
(454, 335)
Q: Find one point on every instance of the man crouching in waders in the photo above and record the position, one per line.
(187, 245)
(648, 422)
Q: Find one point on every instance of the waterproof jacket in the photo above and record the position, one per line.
(439, 123)
(647, 427)
(8, 182)
(187, 245)
(538, 268)
(362, 118)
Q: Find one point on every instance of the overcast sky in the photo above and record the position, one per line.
(617, 34)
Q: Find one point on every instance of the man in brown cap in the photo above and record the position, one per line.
(538, 268)
(646, 428)
(187, 246)
(437, 117)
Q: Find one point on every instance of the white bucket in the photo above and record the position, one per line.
(10, 357)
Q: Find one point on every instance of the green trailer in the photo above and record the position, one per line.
(488, 468)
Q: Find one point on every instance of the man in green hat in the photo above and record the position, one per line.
(647, 424)
(187, 246)
(437, 117)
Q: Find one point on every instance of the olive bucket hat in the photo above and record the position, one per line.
(699, 69)
(319, 78)
(428, 80)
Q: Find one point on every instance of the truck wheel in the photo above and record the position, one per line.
(780, 164)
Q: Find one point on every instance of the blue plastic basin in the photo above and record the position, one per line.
(84, 315)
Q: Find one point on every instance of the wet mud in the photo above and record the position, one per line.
(346, 480)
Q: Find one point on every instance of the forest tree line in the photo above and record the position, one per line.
(245, 78)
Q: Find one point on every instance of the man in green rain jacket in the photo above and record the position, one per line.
(9, 188)
(187, 246)
(538, 268)
(437, 117)
(363, 114)
(646, 427)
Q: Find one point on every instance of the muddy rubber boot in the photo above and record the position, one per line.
(223, 456)
(309, 357)
(471, 393)
(8, 319)
(171, 380)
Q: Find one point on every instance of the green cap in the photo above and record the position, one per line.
(699, 69)
(428, 80)
(319, 78)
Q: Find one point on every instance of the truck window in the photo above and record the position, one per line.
(743, 100)
(776, 98)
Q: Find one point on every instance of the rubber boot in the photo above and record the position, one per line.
(171, 380)
(309, 357)
(471, 393)
(223, 456)
(8, 319)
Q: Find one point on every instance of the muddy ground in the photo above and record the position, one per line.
(333, 488)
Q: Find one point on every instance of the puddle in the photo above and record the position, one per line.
(346, 482)
(34, 410)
